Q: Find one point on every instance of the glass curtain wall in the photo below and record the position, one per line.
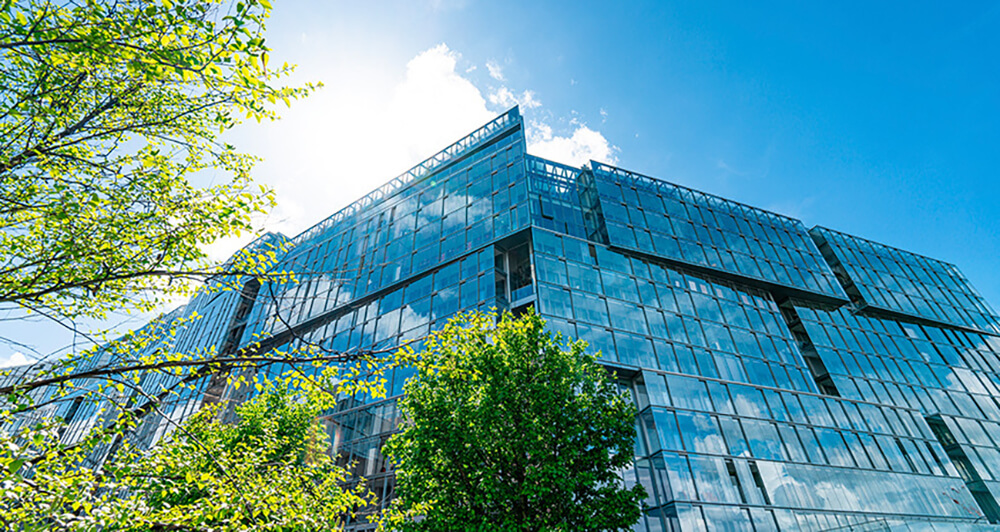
(785, 378)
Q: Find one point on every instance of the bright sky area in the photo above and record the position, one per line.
(877, 119)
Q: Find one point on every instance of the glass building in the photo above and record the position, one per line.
(786, 378)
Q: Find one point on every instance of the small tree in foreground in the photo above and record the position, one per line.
(505, 429)
(268, 471)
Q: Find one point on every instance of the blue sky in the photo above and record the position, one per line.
(877, 119)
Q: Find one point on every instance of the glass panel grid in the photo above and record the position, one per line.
(555, 197)
(734, 433)
(643, 314)
(459, 209)
(685, 225)
(900, 281)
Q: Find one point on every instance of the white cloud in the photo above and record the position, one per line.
(496, 72)
(435, 105)
(726, 167)
(576, 149)
(528, 100)
(16, 358)
(504, 99)
(376, 117)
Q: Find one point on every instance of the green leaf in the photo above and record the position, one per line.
(14, 466)
(505, 428)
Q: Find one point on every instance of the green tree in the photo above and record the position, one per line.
(268, 471)
(507, 429)
(271, 470)
(110, 118)
(113, 178)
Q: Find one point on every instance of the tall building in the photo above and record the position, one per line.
(786, 378)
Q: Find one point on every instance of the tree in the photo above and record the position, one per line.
(504, 429)
(110, 116)
(48, 482)
(270, 470)
(110, 122)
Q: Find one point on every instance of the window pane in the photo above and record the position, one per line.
(688, 393)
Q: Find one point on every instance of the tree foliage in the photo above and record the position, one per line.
(268, 471)
(505, 429)
(207, 475)
(113, 178)
(110, 116)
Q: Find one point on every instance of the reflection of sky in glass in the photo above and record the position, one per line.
(912, 284)
(681, 224)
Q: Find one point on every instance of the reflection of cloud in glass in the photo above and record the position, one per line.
(801, 486)
(700, 433)
(711, 443)
(747, 407)
(387, 326)
(968, 380)
(411, 319)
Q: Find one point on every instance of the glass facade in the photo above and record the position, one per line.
(669, 221)
(785, 378)
(899, 281)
